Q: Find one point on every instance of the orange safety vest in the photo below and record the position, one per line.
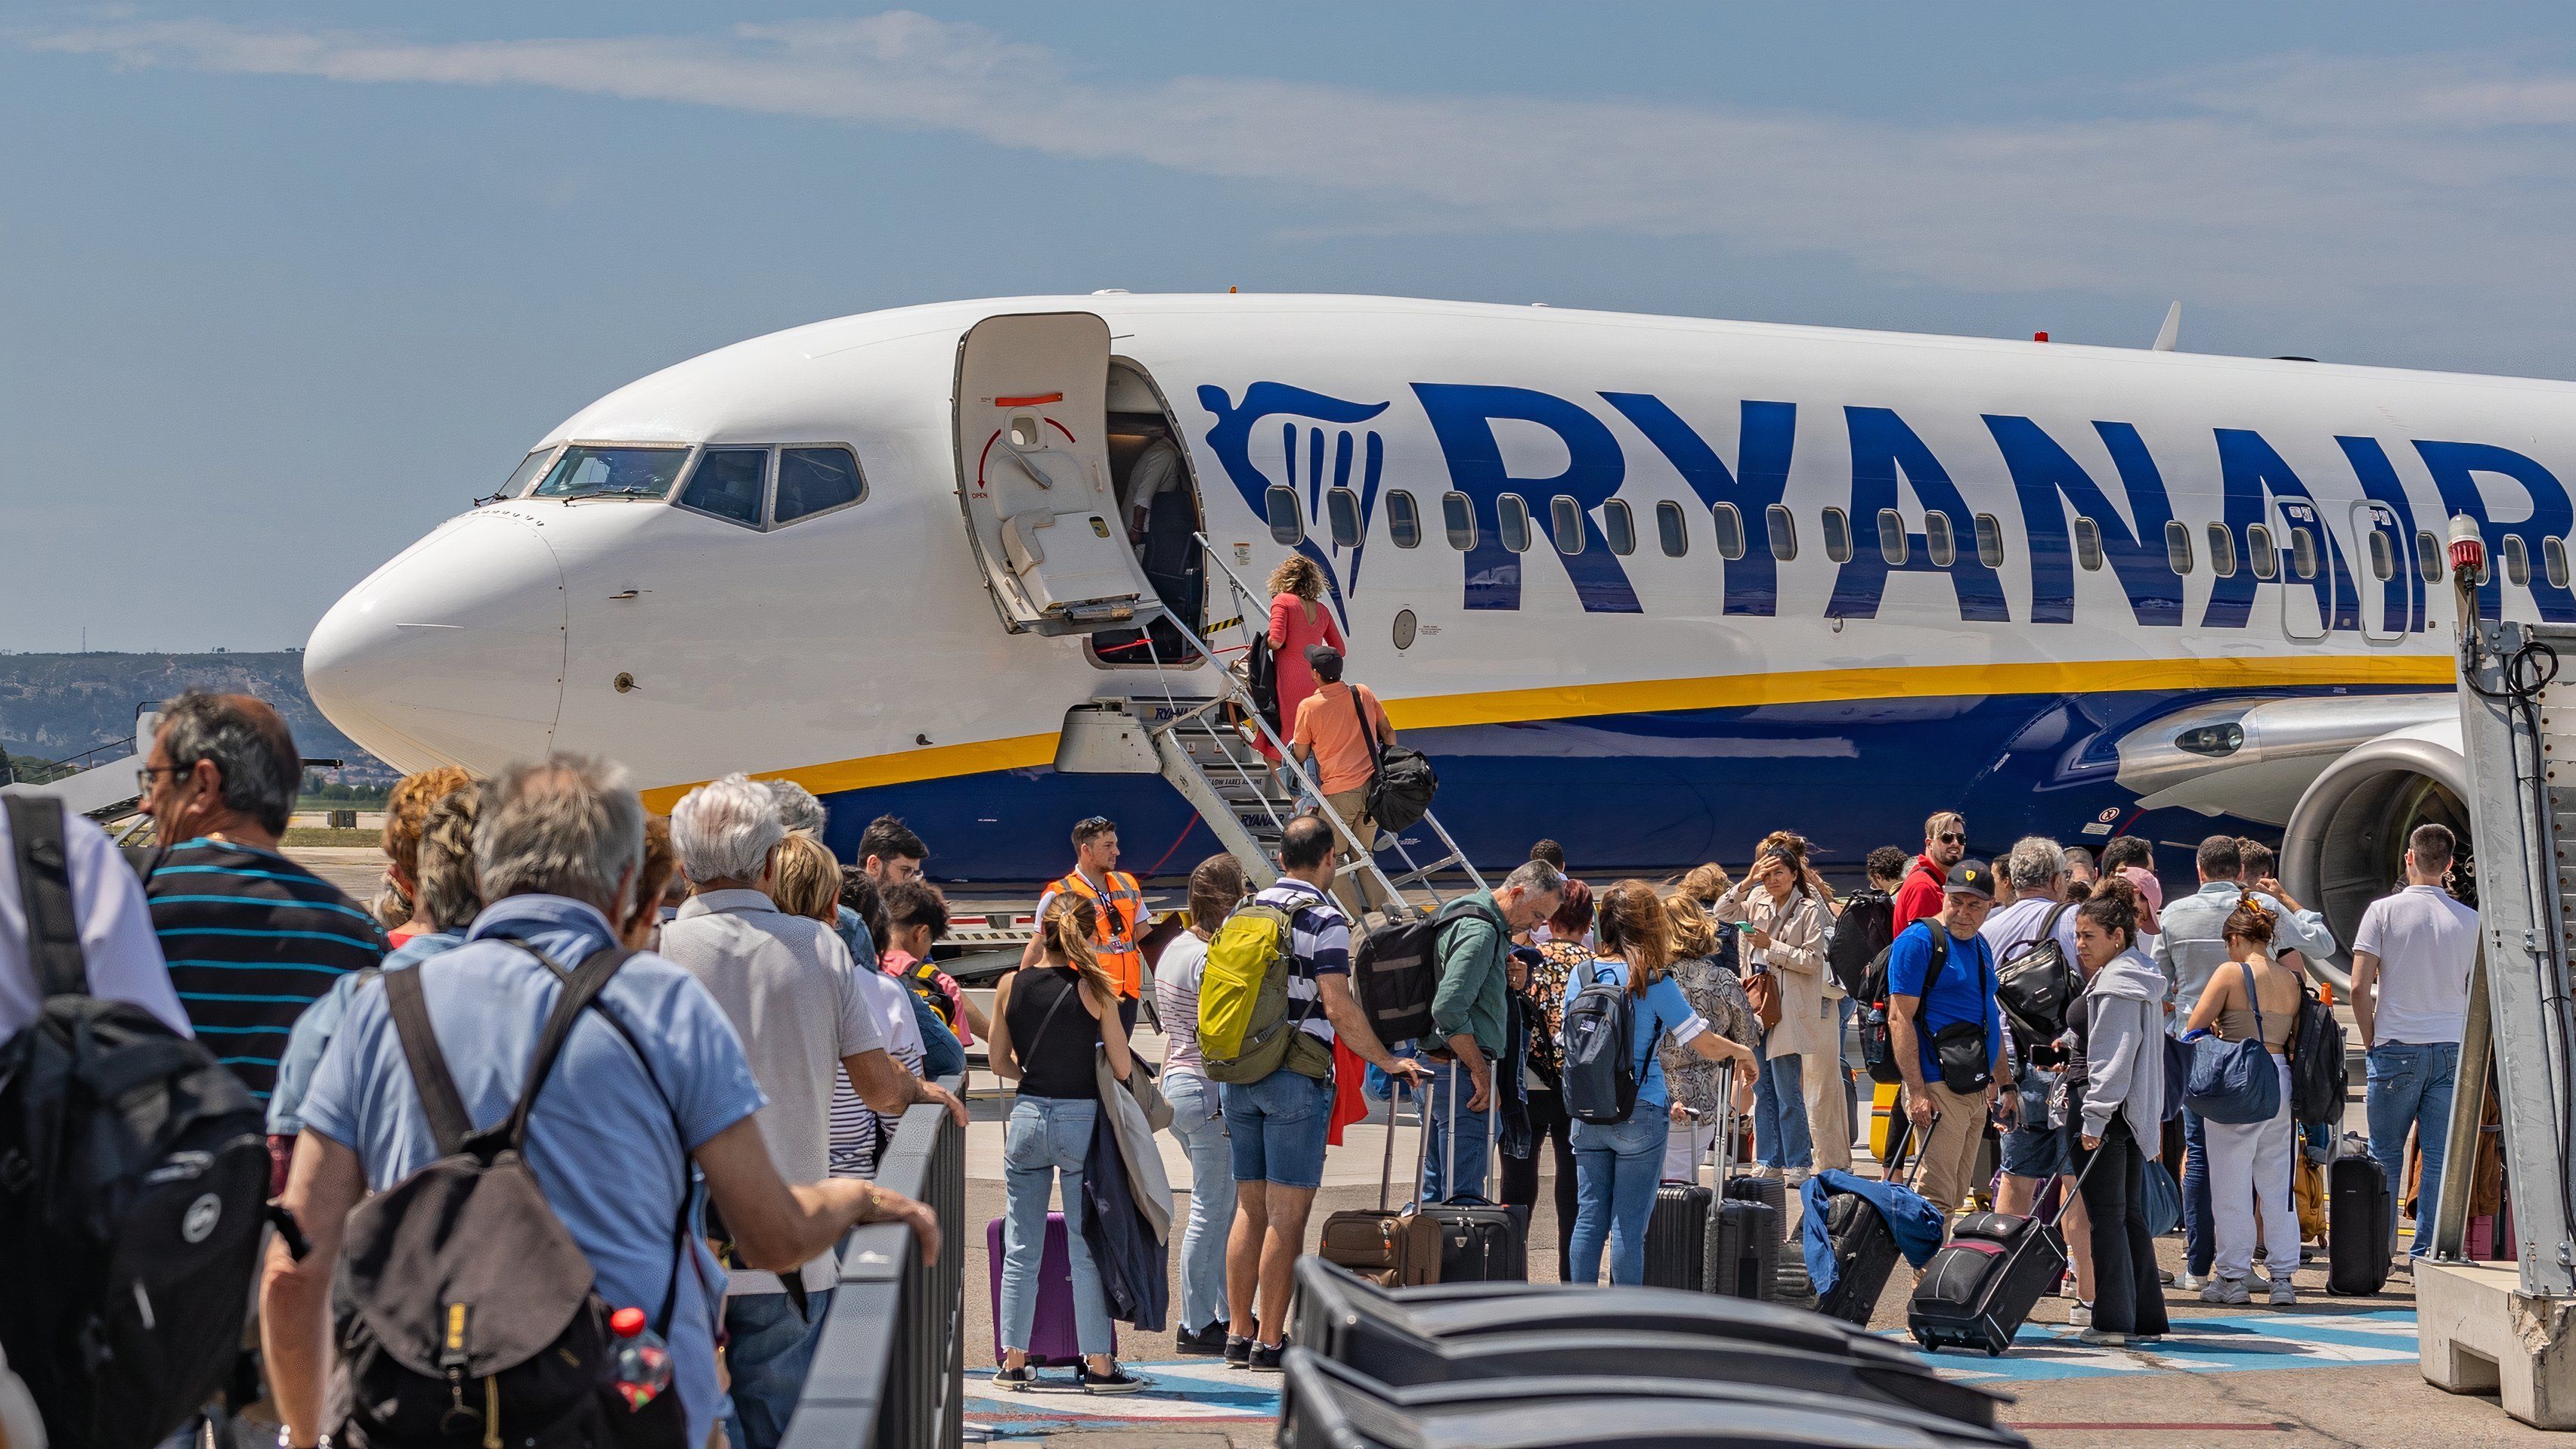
(1122, 912)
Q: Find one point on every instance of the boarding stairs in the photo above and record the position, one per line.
(1205, 746)
(101, 783)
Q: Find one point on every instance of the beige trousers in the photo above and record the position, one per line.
(1352, 887)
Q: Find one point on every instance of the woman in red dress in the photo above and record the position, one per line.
(1298, 618)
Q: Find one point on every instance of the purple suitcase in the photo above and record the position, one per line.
(1052, 1341)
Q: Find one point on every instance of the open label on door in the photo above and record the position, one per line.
(1033, 474)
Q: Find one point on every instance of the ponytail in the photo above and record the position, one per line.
(1066, 932)
(2113, 906)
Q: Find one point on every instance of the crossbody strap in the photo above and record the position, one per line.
(1377, 755)
(580, 989)
(448, 1124)
(45, 894)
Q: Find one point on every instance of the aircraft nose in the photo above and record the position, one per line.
(452, 653)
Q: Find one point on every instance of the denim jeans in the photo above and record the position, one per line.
(2409, 1085)
(1780, 1116)
(1201, 1129)
(770, 1351)
(1046, 1142)
(1616, 1172)
(2199, 1220)
(1438, 1184)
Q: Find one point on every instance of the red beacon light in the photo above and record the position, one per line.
(2468, 547)
(2039, 337)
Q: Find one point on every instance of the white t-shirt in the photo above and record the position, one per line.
(2426, 943)
(1176, 1001)
(119, 949)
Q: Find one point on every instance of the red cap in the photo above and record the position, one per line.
(626, 1322)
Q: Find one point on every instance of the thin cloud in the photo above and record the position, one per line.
(2301, 178)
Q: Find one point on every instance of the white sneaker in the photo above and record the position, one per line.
(2229, 1291)
(2190, 1282)
(2081, 1315)
(2283, 1295)
(2103, 1340)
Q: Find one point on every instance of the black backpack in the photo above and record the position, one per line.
(1597, 1067)
(2037, 985)
(2318, 1080)
(1396, 971)
(133, 1168)
(464, 1313)
(1867, 924)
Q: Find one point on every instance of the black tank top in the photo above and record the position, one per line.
(1055, 1055)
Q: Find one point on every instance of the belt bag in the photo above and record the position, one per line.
(1960, 1048)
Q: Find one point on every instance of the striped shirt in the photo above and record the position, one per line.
(1319, 945)
(252, 939)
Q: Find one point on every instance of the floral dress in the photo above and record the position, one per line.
(1713, 992)
(1558, 961)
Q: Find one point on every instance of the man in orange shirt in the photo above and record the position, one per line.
(1330, 740)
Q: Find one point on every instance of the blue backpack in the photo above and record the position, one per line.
(1599, 1062)
(2235, 1081)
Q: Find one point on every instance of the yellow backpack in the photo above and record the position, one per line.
(1245, 1032)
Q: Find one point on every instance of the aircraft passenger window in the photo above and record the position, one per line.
(2383, 556)
(612, 472)
(2553, 557)
(1673, 528)
(811, 480)
(2178, 545)
(2428, 557)
(1938, 545)
(2303, 553)
(1620, 527)
(1891, 536)
(2259, 553)
(1784, 531)
(1280, 503)
(1458, 516)
(2088, 543)
(1990, 541)
(526, 473)
(1512, 516)
(1838, 535)
(2517, 561)
(1565, 520)
(1342, 511)
(728, 483)
(1730, 531)
(2222, 551)
(1403, 520)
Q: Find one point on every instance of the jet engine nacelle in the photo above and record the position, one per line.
(2345, 843)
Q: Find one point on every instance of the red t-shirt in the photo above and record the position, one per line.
(1920, 896)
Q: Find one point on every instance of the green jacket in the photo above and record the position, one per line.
(1475, 964)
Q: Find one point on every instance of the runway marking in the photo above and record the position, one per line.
(1177, 1391)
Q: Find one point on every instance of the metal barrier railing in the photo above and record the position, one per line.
(890, 1371)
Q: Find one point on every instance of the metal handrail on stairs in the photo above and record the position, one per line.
(1193, 779)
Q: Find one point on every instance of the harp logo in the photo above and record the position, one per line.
(1291, 451)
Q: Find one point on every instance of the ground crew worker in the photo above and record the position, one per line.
(1121, 911)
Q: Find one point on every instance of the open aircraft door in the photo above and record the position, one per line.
(1033, 474)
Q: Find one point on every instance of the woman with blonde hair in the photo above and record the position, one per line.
(2249, 1162)
(1048, 1021)
(1798, 1115)
(1617, 1164)
(1298, 618)
(1699, 1087)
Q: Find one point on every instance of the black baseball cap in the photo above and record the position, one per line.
(1318, 653)
(1969, 878)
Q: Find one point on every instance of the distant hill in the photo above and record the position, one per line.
(57, 705)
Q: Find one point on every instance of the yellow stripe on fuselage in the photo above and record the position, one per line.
(1650, 696)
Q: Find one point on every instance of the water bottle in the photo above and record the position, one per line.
(643, 1360)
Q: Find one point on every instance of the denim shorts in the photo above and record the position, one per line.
(1277, 1126)
(2039, 1151)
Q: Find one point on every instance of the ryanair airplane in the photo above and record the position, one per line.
(1649, 585)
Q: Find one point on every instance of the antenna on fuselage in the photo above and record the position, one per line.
(2171, 332)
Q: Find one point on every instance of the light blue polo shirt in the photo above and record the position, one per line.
(601, 1139)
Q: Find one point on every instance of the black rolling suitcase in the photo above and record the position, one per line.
(2358, 1232)
(1677, 1236)
(1865, 1253)
(1743, 1253)
(1480, 1242)
(1771, 1192)
(1977, 1291)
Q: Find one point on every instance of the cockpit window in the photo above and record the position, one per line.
(613, 472)
(530, 467)
(813, 479)
(728, 483)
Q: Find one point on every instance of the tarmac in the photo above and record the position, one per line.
(2331, 1371)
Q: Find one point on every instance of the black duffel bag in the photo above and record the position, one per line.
(1399, 794)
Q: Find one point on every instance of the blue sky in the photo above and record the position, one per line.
(282, 285)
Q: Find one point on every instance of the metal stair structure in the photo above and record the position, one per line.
(101, 784)
(1205, 747)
